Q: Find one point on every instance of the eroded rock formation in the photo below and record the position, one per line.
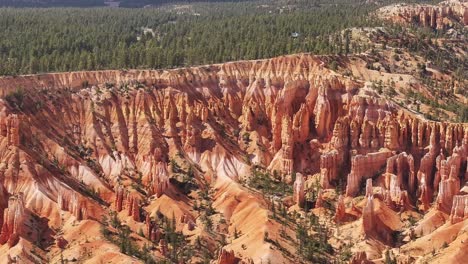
(127, 142)
(459, 209)
(227, 257)
(299, 191)
(13, 220)
(441, 16)
(363, 167)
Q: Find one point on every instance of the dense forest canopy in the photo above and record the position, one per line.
(65, 39)
(36, 40)
(146, 3)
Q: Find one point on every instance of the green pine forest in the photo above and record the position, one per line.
(38, 40)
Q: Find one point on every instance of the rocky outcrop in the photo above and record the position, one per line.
(323, 113)
(328, 168)
(153, 233)
(110, 145)
(368, 218)
(402, 165)
(61, 242)
(10, 126)
(425, 177)
(13, 220)
(319, 201)
(372, 225)
(441, 16)
(459, 210)
(299, 190)
(395, 197)
(13, 129)
(227, 257)
(119, 198)
(363, 167)
(133, 207)
(340, 210)
(160, 181)
(392, 134)
(448, 187)
(287, 147)
(369, 188)
(359, 257)
(163, 248)
(73, 203)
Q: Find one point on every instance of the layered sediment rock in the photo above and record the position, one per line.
(133, 207)
(363, 167)
(448, 187)
(328, 168)
(119, 198)
(359, 258)
(287, 147)
(73, 203)
(373, 226)
(340, 211)
(153, 233)
(163, 248)
(299, 190)
(111, 144)
(459, 210)
(227, 257)
(13, 220)
(368, 218)
(319, 201)
(441, 16)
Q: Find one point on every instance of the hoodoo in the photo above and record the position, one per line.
(175, 153)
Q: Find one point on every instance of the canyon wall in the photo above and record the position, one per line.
(83, 141)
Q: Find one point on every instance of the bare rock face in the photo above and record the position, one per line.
(74, 203)
(426, 170)
(136, 210)
(299, 191)
(287, 163)
(372, 226)
(300, 124)
(13, 129)
(369, 190)
(340, 212)
(319, 201)
(153, 233)
(119, 198)
(448, 187)
(392, 134)
(328, 168)
(459, 209)
(61, 242)
(364, 166)
(368, 218)
(323, 113)
(359, 257)
(441, 16)
(163, 247)
(133, 207)
(109, 146)
(402, 165)
(340, 136)
(227, 257)
(13, 217)
(159, 181)
(395, 197)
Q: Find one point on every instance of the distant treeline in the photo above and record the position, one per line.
(156, 3)
(66, 39)
(93, 3)
(51, 3)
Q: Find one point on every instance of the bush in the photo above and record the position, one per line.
(16, 99)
